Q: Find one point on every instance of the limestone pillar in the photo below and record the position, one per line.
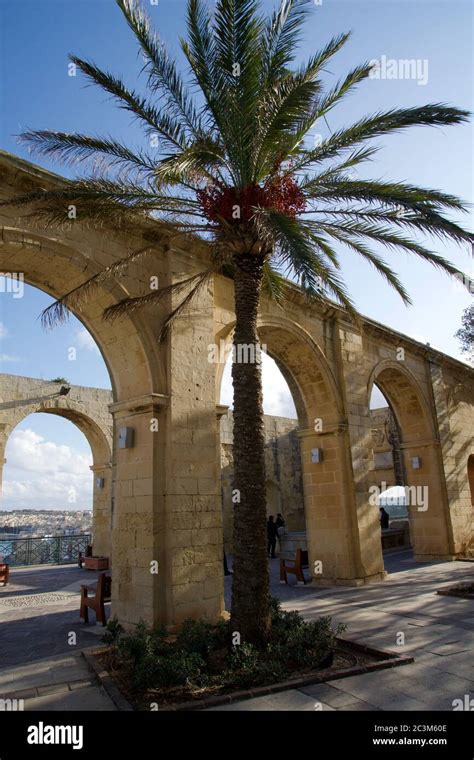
(342, 528)
(455, 445)
(194, 543)
(167, 517)
(364, 518)
(140, 578)
(102, 510)
(430, 533)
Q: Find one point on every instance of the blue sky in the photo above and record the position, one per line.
(36, 92)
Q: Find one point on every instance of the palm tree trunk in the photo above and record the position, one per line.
(250, 588)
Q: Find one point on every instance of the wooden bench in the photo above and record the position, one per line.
(294, 565)
(82, 556)
(4, 573)
(103, 593)
(392, 538)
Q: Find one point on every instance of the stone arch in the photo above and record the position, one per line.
(429, 519)
(401, 389)
(294, 352)
(131, 353)
(87, 409)
(128, 350)
(328, 504)
(99, 439)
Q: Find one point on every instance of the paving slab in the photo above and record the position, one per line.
(359, 706)
(91, 698)
(293, 700)
(51, 670)
(330, 695)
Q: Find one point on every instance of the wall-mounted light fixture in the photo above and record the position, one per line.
(126, 438)
(416, 463)
(316, 456)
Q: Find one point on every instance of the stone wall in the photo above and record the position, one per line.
(166, 488)
(283, 467)
(384, 457)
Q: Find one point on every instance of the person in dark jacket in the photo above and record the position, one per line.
(280, 524)
(272, 535)
(384, 518)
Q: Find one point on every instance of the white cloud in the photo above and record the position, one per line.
(85, 340)
(277, 399)
(8, 358)
(44, 475)
(3, 330)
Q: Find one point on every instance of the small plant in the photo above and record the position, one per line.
(60, 380)
(202, 637)
(113, 631)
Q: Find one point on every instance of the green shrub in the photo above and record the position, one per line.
(196, 636)
(142, 643)
(179, 668)
(113, 631)
(242, 665)
(200, 650)
(313, 644)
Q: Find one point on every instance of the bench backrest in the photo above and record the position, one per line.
(302, 557)
(104, 586)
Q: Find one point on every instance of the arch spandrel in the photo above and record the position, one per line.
(126, 345)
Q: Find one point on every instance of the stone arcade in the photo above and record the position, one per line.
(165, 488)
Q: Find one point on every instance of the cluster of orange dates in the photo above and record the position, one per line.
(235, 205)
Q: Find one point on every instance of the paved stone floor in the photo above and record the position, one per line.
(40, 608)
(437, 630)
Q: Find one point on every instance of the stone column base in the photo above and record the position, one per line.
(351, 582)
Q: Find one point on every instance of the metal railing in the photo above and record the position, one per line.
(43, 550)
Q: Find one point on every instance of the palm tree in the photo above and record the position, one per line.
(236, 165)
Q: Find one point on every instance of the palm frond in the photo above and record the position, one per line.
(76, 148)
(390, 193)
(192, 284)
(59, 311)
(163, 75)
(238, 56)
(310, 183)
(289, 105)
(281, 38)
(295, 252)
(219, 101)
(200, 53)
(203, 159)
(322, 106)
(377, 262)
(159, 122)
(274, 285)
(382, 123)
(103, 201)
